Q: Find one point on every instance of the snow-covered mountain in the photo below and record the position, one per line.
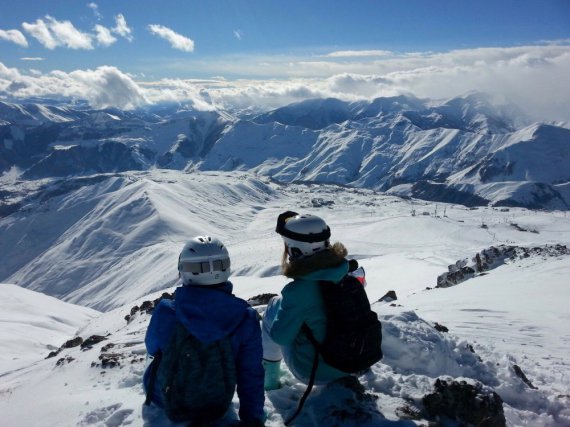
(111, 242)
(462, 150)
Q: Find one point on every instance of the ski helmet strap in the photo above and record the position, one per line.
(152, 378)
(315, 343)
(307, 238)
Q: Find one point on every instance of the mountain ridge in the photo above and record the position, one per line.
(461, 144)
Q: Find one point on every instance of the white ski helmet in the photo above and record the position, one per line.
(304, 234)
(204, 260)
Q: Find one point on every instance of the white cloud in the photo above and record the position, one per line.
(238, 34)
(53, 33)
(107, 86)
(7, 74)
(14, 36)
(32, 59)
(358, 53)
(103, 87)
(534, 77)
(177, 41)
(104, 36)
(68, 35)
(40, 31)
(121, 28)
(95, 8)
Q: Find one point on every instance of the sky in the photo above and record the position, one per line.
(269, 53)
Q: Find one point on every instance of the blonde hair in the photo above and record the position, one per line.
(284, 258)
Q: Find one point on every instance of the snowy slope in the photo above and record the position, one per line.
(103, 236)
(33, 322)
(515, 314)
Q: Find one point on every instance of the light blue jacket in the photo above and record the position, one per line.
(302, 302)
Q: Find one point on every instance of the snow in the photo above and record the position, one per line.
(112, 243)
(32, 322)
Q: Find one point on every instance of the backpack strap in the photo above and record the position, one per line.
(315, 343)
(152, 379)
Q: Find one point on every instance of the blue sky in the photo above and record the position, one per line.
(275, 28)
(266, 41)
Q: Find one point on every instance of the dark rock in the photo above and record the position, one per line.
(319, 202)
(472, 350)
(465, 403)
(519, 373)
(72, 343)
(107, 347)
(358, 407)
(389, 297)
(147, 307)
(91, 341)
(261, 299)
(454, 277)
(64, 360)
(408, 412)
(53, 353)
(480, 265)
(440, 328)
(110, 360)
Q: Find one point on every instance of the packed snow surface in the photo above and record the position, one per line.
(112, 243)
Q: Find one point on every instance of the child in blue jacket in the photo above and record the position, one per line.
(206, 308)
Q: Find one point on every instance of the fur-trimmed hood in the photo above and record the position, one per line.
(329, 258)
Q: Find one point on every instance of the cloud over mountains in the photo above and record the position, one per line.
(533, 77)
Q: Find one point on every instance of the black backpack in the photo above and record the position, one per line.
(353, 341)
(197, 380)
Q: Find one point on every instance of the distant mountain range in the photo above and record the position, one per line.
(463, 150)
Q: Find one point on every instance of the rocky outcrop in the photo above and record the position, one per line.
(466, 403)
(389, 297)
(494, 257)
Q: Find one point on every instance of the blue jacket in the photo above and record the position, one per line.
(211, 314)
(301, 302)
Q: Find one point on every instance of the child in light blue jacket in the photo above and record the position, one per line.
(308, 258)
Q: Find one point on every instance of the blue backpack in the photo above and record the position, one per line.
(197, 380)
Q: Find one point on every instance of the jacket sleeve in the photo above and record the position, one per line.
(160, 327)
(250, 372)
(296, 300)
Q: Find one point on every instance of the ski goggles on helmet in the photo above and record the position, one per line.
(308, 238)
(205, 266)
